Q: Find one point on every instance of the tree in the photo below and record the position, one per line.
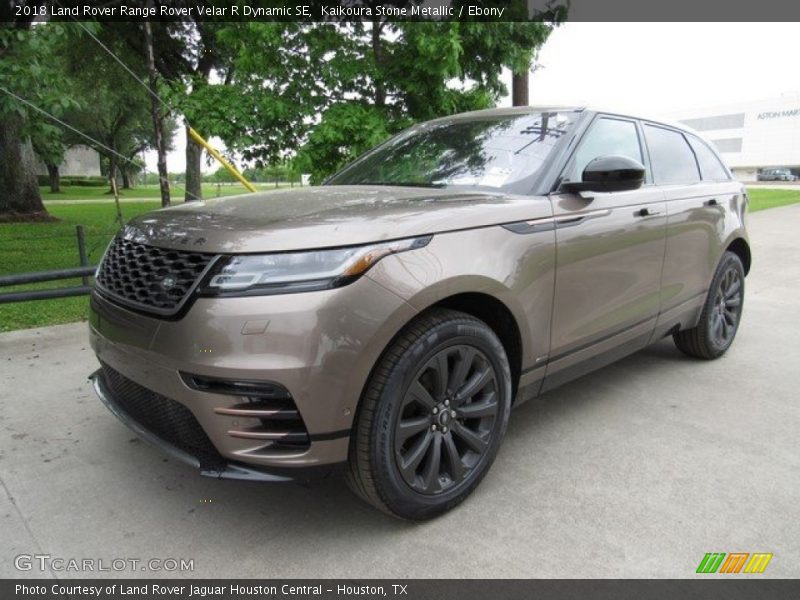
(48, 144)
(26, 70)
(130, 171)
(512, 44)
(185, 55)
(345, 131)
(387, 75)
(156, 114)
(268, 83)
(113, 107)
(221, 175)
(526, 39)
(262, 87)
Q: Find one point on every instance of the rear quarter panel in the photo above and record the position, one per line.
(697, 236)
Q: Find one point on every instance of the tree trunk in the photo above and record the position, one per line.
(158, 121)
(115, 191)
(126, 179)
(377, 52)
(194, 174)
(55, 178)
(519, 88)
(112, 174)
(20, 199)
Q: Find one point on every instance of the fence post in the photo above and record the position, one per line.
(82, 251)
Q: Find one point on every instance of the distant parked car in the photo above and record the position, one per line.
(776, 175)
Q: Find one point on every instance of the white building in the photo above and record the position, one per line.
(80, 161)
(751, 135)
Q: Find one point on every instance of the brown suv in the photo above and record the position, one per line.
(388, 320)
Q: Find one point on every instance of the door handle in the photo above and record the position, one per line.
(712, 202)
(647, 212)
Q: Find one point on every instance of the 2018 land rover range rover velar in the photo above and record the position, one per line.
(388, 320)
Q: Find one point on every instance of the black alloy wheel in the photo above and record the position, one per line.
(727, 307)
(431, 417)
(721, 315)
(447, 419)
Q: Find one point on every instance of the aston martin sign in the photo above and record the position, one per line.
(777, 114)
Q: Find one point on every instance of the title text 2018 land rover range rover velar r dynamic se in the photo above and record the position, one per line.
(388, 320)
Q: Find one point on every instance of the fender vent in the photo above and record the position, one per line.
(266, 411)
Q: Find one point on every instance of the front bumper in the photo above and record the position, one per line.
(319, 347)
(219, 470)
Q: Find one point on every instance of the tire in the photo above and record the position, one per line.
(721, 314)
(406, 416)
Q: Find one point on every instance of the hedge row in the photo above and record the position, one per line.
(68, 180)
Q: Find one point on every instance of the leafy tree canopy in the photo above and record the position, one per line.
(325, 92)
(111, 106)
(31, 67)
(390, 75)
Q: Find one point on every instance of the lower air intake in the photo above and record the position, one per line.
(169, 420)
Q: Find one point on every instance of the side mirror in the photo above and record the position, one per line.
(609, 174)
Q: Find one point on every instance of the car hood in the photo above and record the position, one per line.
(327, 216)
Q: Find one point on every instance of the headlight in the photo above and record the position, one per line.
(248, 274)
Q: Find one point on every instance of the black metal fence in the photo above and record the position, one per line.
(85, 272)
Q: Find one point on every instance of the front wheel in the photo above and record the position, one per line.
(721, 314)
(432, 416)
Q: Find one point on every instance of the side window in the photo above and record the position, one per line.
(606, 136)
(671, 157)
(711, 168)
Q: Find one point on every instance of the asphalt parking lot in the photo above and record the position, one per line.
(637, 470)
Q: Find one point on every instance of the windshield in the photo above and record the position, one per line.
(503, 153)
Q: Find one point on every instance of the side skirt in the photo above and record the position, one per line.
(595, 362)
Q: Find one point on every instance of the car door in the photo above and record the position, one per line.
(609, 255)
(696, 192)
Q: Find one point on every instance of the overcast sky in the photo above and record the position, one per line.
(651, 68)
(657, 68)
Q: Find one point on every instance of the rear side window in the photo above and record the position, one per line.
(606, 136)
(671, 158)
(711, 168)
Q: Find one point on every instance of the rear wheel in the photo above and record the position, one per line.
(721, 314)
(432, 416)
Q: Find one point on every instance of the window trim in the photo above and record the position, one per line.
(649, 179)
(683, 134)
(689, 137)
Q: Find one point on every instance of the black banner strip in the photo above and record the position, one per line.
(712, 587)
(399, 10)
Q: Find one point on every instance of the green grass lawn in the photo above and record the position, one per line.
(761, 199)
(43, 246)
(210, 190)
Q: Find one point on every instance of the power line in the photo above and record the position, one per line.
(121, 63)
(86, 136)
(216, 154)
(152, 93)
(67, 125)
(141, 82)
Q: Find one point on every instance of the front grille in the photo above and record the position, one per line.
(169, 420)
(153, 279)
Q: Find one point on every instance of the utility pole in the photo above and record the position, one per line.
(158, 122)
